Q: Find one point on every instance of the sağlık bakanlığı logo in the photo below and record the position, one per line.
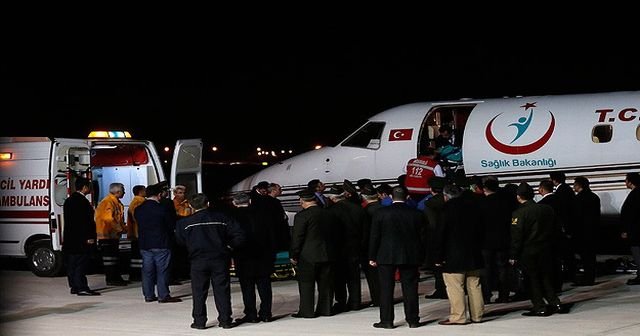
(522, 125)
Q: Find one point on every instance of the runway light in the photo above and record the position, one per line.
(166, 149)
(259, 153)
(265, 163)
(282, 151)
(214, 148)
(273, 153)
(165, 161)
(259, 149)
(318, 146)
(290, 151)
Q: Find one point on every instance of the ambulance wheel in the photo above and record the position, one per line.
(43, 260)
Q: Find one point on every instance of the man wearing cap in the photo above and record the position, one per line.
(312, 251)
(349, 221)
(532, 230)
(351, 193)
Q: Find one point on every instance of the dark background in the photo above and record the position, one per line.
(283, 87)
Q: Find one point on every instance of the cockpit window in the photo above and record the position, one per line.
(366, 137)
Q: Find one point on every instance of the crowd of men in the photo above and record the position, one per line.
(472, 234)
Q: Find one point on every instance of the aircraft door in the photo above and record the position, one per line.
(186, 165)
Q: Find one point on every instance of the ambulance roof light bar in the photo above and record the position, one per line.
(110, 134)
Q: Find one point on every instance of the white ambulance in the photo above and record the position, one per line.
(37, 174)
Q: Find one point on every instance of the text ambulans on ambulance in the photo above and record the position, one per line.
(37, 174)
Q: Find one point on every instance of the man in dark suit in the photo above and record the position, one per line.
(433, 210)
(372, 205)
(349, 220)
(79, 237)
(312, 252)
(532, 229)
(395, 244)
(562, 253)
(497, 211)
(587, 219)
(254, 260)
(630, 218)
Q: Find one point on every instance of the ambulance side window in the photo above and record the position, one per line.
(60, 189)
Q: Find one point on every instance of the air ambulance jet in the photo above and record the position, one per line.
(519, 139)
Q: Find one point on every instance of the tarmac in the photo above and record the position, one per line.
(43, 306)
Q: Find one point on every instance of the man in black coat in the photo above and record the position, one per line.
(587, 219)
(350, 219)
(209, 237)
(254, 260)
(395, 244)
(630, 218)
(564, 263)
(496, 208)
(433, 210)
(370, 196)
(79, 237)
(312, 251)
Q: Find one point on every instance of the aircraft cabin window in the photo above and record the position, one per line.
(366, 137)
(602, 133)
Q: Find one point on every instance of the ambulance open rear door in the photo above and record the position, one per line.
(186, 166)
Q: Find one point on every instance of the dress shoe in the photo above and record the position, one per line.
(447, 322)
(151, 299)
(414, 325)
(198, 326)
(88, 293)
(559, 309)
(540, 313)
(73, 291)
(226, 325)
(298, 315)
(384, 325)
(247, 319)
(170, 299)
(266, 318)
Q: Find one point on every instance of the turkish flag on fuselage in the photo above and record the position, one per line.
(400, 134)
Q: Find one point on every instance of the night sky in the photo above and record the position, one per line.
(287, 87)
